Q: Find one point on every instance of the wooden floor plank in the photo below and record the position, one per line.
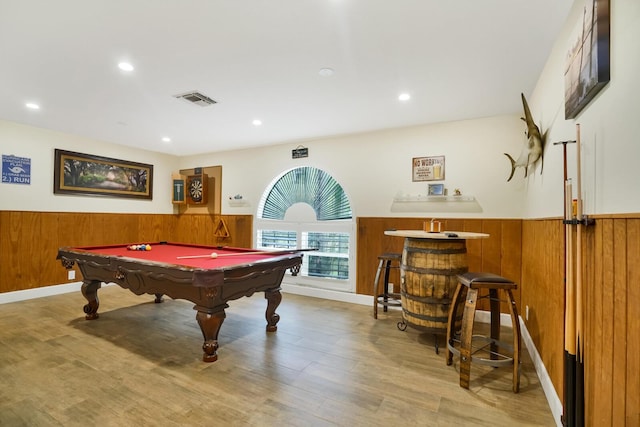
(330, 363)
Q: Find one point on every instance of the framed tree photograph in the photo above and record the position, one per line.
(78, 173)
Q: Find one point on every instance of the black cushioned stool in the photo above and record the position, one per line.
(385, 298)
(500, 353)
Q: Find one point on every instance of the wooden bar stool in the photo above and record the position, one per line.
(460, 342)
(385, 298)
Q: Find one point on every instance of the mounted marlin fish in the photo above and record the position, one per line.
(532, 151)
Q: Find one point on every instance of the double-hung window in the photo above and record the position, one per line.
(307, 208)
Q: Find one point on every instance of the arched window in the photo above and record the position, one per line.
(306, 185)
(307, 208)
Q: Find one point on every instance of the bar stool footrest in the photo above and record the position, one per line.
(502, 359)
(393, 300)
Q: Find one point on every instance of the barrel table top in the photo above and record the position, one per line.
(445, 235)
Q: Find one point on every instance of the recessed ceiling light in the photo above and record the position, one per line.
(404, 97)
(326, 72)
(257, 122)
(32, 106)
(166, 139)
(125, 66)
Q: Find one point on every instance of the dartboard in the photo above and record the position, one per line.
(196, 189)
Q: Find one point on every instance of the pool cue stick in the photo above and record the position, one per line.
(214, 254)
(579, 402)
(570, 317)
(569, 313)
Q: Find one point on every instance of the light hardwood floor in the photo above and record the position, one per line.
(329, 364)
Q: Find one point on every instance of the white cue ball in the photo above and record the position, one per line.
(214, 255)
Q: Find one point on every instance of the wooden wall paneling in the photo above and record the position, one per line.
(28, 248)
(8, 250)
(6, 273)
(22, 254)
(79, 229)
(474, 246)
(511, 258)
(633, 324)
(155, 228)
(593, 315)
(490, 256)
(453, 224)
(50, 270)
(619, 319)
(193, 228)
(205, 224)
(3, 266)
(120, 228)
(240, 231)
(200, 229)
(491, 247)
(371, 242)
(543, 290)
(602, 410)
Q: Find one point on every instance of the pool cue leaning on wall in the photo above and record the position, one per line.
(568, 416)
(573, 408)
(569, 312)
(579, 374)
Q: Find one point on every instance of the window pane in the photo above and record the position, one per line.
(330, 267)
(277, 239)
(328, 242)
(332, 258)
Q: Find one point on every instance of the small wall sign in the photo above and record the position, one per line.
(428, 168)
(299, 152)
(16, 170)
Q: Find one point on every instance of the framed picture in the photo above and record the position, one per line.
(428, 168)
(587, 68)
(78, 173)
(179, 191)
(436, 190)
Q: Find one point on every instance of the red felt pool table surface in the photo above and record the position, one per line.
(210, 283)
(168, 253)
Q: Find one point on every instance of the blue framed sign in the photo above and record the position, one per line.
(16, 170)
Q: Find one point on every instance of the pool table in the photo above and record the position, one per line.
(184, 271)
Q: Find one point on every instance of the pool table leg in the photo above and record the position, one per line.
(210, 324)
(273, 298)
(89, 290)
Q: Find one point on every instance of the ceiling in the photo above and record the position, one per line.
(259, 59)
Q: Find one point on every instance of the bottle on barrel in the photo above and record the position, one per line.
(434, 226)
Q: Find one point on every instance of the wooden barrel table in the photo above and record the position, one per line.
(428, 276)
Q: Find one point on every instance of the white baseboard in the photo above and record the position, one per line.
(555, 404)
(327, 294)
(45, 291)
(481, 316)
(545, 381)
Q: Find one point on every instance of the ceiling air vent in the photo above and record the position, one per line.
(197, 98)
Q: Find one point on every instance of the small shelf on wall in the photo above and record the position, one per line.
(424, 203)
(238, 203)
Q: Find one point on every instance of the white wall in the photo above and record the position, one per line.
(609, 125)
(374, 167)
(39, 145)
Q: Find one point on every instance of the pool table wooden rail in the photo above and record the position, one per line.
(208, 289)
